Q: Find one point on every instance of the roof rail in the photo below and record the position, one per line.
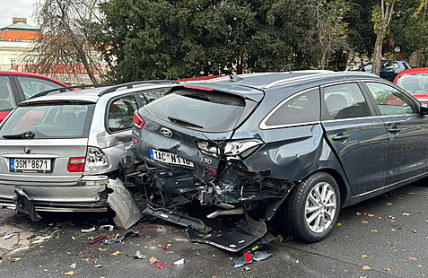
(134, 84)
(64, 89)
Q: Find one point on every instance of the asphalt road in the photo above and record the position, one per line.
(383, 237)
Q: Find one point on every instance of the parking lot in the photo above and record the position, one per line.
(383, 237)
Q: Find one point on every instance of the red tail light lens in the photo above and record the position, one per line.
(138, 121)
(76, 164)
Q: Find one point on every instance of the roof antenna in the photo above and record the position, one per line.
(235, 78)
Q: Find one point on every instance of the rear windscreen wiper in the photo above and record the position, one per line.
(25, 135)
(181, 122)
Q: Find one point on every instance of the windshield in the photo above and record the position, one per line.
(415, 83)
(48, 121)
(201, 110)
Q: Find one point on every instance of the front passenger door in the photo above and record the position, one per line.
(407, 133)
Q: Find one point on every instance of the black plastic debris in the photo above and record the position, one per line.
(121, 238)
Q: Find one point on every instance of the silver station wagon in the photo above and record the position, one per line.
(62, 152)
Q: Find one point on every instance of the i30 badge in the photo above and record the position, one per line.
(166, 132)
(27, 150)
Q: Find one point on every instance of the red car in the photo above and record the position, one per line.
(414, 81)
(19, 86)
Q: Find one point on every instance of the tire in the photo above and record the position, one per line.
(312, 209)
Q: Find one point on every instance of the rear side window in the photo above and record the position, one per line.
(7, 101)
(345, 101)
(151, 95)
(414, 83)
(300, 109)
(33, 85)
(209, 111)
(391, 101)
(49, 121)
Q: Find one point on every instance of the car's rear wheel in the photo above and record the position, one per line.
(313, 207)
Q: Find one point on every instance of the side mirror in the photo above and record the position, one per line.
(363, 69)
(423, 109)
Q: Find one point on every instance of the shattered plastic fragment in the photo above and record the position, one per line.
(106, 227)
(11, 235)
(40, 240)
(138, 255)
(97, 266)
(74, 265)
(160, 265)
(119, 239)
(179, 262)
(88, 230)
(247, 258)
(98, 238)
(260, 256)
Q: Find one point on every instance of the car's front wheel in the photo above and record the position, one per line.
(313, 207)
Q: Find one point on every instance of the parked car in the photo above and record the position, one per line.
(297, 145)
(389, 69)
(62, 152)
(19, 86)
(414, 81)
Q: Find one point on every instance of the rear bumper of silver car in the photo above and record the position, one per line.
(90, 194)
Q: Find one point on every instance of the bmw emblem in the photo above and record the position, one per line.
(27, 150)
(166, 132)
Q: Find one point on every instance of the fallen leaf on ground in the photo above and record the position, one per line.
(370, 215)
(359, 213)
(339, 225)
(386, 269)
(363, 256)
(374, 231)
(406, 214)
(413, 259)
(389, 204)
(69, 273)
(366, 267)
(411, 193)
(153, 260)
(247, 268)
(365, 222)
(102, 249)
(117, 253)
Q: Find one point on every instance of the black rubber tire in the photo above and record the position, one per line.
(294, 208)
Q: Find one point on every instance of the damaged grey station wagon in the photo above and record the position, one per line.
(62, 152)
(298, 146)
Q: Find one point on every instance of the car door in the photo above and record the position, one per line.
(407, 133)
(357, 136)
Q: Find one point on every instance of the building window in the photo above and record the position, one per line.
(9, 39)
(19, 40)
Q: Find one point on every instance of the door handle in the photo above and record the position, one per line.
(340, 137)
(394, 130)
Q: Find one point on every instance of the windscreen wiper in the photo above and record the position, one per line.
(24, 135)
(181, 122)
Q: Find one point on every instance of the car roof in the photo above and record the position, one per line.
(262, 81)
(93, 94)
(27, 74)
(411, 71)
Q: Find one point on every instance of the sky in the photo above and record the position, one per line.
(16, 8)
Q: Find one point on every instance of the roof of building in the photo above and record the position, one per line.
(20, 26)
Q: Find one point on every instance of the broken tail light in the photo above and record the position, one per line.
(138, 121)
(235, 149)
(96, 160)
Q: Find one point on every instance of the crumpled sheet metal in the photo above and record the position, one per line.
(249, 257)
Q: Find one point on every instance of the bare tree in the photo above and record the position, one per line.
(66, 28)
(381, 18)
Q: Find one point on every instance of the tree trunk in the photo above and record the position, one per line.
(377, 55)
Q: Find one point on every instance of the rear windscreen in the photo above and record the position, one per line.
(209, 111)
(48, 121)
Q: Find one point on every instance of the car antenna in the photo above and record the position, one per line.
(235, 78)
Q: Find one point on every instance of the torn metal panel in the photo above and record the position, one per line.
(122, 203)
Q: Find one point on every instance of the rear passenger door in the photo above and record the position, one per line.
(407, 133)
(357, 136)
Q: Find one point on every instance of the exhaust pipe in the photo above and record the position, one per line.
(217, 213)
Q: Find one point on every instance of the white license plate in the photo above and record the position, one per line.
(169, 158)
(30, 165)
